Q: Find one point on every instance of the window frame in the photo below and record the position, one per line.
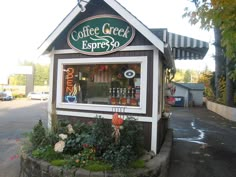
(141, 109)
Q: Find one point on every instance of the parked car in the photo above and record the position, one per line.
(6, 96)
(38, 95)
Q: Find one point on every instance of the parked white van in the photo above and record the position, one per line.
(38, 95)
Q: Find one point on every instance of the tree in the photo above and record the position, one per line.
(41, 74)
(179, 75)
(220, 15)
(187, 76)
(207, 78)
(19, 79)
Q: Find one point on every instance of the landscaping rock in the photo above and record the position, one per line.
(82, 173)
(69, 172)
(55, 171)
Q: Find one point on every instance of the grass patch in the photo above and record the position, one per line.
(98, 166)
(137, 164)
(59, 162)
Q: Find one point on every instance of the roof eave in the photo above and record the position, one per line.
(119, 9)
(136, 23)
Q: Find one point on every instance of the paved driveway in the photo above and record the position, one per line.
(204, 144)
(16, 118)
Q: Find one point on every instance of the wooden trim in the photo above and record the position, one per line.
(155, 116)
(51, 75)
(93, 115)
(128, 48)
(79, 106)
(137, 24)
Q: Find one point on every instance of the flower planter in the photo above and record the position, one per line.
(155, 167)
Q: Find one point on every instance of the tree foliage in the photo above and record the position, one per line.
(19, 79)
(41, 75)
(186, 76)
(207, 78)
(222, 15)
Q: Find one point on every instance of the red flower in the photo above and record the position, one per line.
(85, 145)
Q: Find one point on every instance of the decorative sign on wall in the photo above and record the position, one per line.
(71, 88)
(99, 35)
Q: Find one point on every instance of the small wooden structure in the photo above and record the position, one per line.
(191, 92)
(102, 57)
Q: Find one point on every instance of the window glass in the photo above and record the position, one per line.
(107, 84)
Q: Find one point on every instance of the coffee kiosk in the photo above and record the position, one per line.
(104, 60)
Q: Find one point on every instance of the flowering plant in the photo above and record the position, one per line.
(63, 136)
(82, 159)
(59, 146)
(70, 129)
(83, 144)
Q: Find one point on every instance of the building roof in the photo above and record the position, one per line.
(191, 86)
(123, 12)
(173, 46)
(183, 47)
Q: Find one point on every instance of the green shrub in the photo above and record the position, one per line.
(128, 149)
(137, 164)
(83, 157)
(38, 136)
(18, 95)
(86, 144)
(46, 153)
(119, 156)
(73, 144)
(132, 135)
(100, 135)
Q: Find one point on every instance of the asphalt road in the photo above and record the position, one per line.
(204, 144)
(16, 118)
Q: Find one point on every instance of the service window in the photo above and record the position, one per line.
(103, 83)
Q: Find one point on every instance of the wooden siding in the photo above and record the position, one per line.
(162, 130)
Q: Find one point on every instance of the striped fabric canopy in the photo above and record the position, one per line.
(183, 47)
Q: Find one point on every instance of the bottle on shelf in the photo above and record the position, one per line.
(110, 95)
(128, 96)
(123, 97)
(118, 94)
(133, 101)
(113, 96)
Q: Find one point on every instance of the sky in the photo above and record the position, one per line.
(25, 24)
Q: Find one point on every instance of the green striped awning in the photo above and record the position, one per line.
(183, 47)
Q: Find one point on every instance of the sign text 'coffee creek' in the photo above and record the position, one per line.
(100, 35)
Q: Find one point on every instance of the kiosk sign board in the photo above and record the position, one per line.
(99, 35)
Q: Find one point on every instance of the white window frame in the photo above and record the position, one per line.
(142, 60)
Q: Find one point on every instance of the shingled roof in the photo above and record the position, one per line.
(191, 86)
